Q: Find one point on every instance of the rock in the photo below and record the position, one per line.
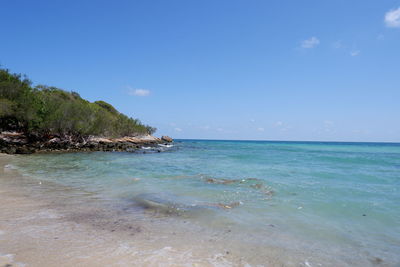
(22, 143)
(24, 150)
(54, 140)
(166, 138)
(257, 186)
(377, 260)
(153, 203)
(221, 181)
(10, 150)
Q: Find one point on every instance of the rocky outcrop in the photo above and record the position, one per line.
(166, 138)
(20, 143)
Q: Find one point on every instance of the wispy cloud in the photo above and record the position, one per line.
(178, 129)
(138, 92)
(282, 126)
(355, 53)
(206, 127)
(346, 48)
(328, 126)
(337, 45)
(392, 18)
(310, 43)
(260, 129)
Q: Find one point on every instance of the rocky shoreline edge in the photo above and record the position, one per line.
(21, 143)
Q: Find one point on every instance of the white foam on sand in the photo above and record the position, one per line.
(8, 260)
(9, 167)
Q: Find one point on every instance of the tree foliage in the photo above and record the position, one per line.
(50, 110)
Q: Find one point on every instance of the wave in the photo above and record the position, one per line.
(163, 145)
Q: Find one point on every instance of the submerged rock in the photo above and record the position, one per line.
(221, 181)
(167, 207)
(257, 186)
(260, 186)
(150, 202)
(230, 181)
(264, 189)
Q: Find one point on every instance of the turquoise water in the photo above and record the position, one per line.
(340, 197)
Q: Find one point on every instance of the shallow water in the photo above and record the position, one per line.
(333, 200)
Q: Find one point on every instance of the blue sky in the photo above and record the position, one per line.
(226, 69)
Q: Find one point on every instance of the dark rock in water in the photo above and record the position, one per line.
(166, 138)
(257, 186)
(221, 181)
(162, 206)
(252, 179)
(265, 189)
(376, 260)
(233, 181)
(153, 203)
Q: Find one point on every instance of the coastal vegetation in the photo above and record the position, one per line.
(49, 111)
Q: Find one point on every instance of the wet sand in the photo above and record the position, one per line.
(44, 224)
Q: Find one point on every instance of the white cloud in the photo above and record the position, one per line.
(260, 129)
(392, 18)
(278, 123)
(355, 53)
(310, 43)
(178, 129)
(139, 92)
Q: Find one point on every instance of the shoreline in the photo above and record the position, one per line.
(22, 143)
(39, 229)
(44, 223)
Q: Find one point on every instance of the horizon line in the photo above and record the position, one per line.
(309, 141)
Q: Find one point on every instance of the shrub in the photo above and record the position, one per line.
(50, 110)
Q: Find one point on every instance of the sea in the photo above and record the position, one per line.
(256, 203)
